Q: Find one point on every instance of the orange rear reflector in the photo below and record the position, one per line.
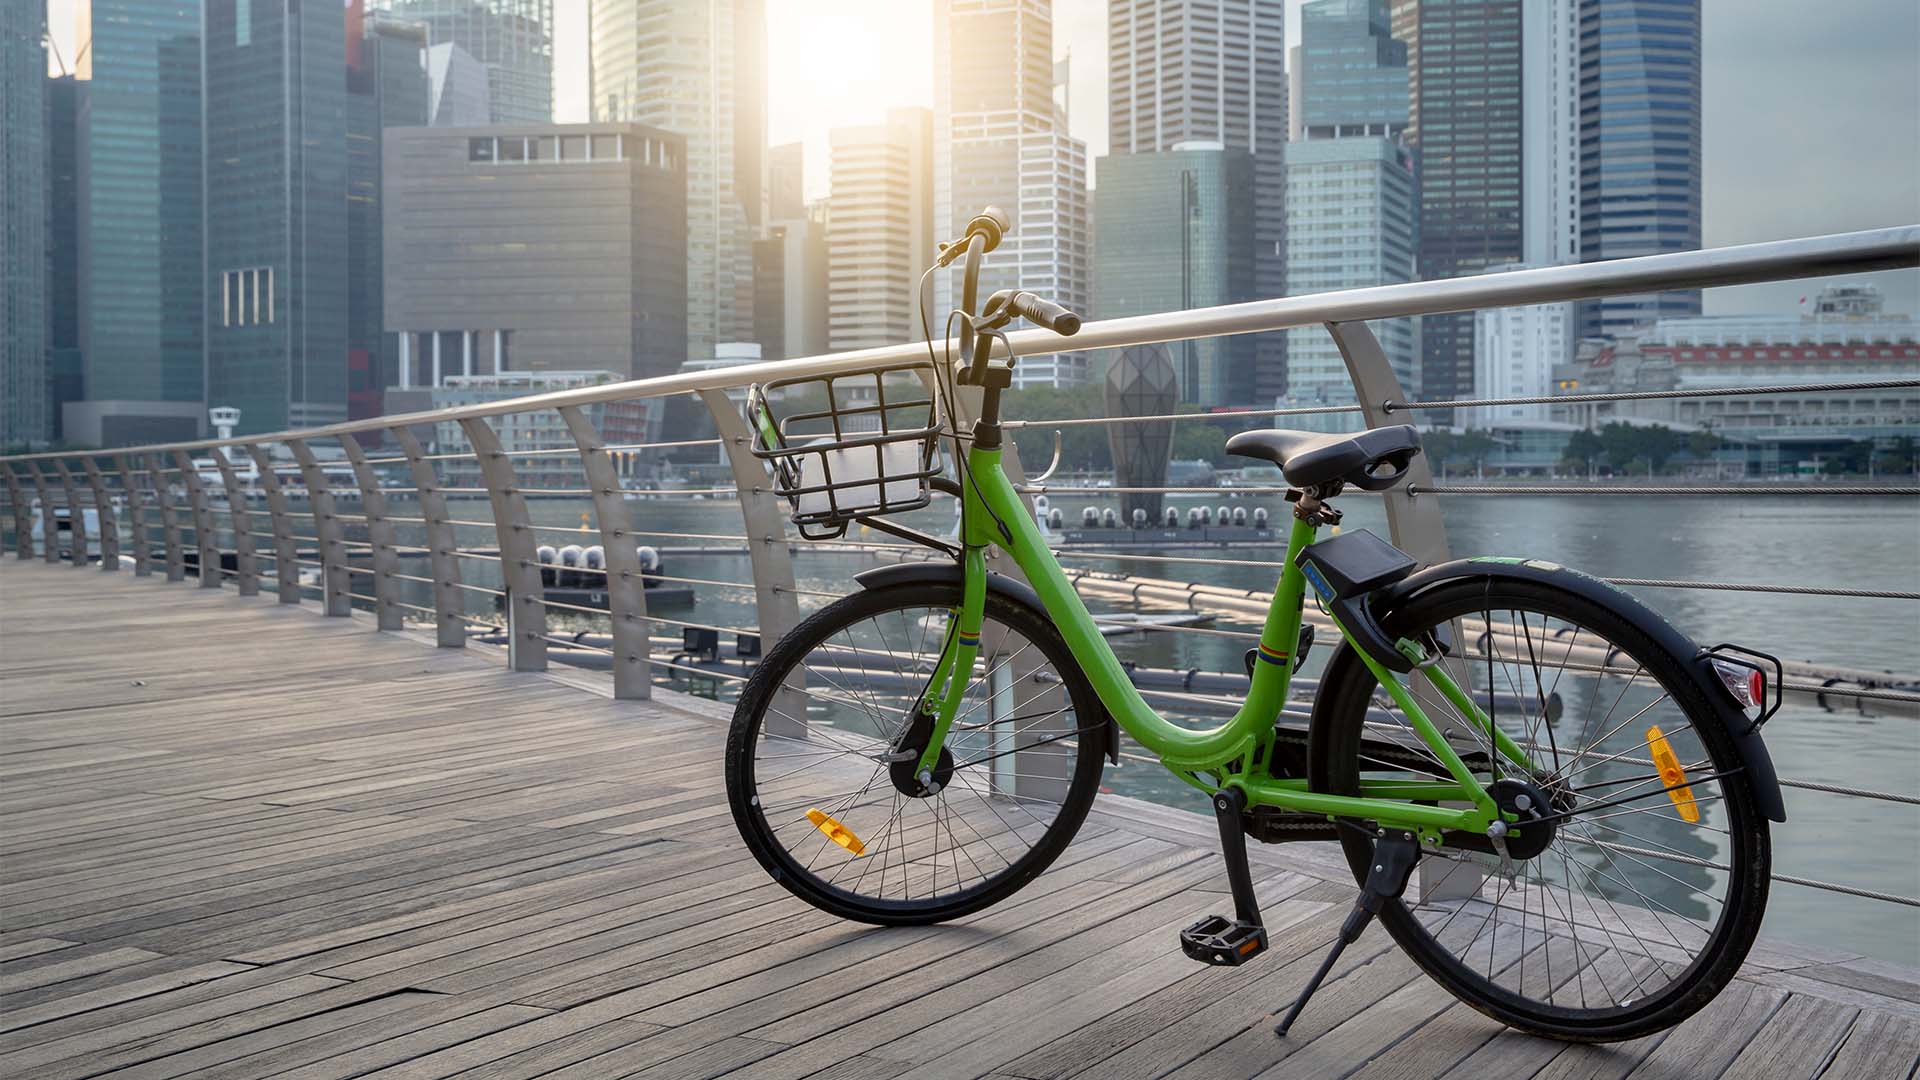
(836, 832)
(1672, 776)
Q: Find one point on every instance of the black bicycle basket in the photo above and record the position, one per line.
(848, 446)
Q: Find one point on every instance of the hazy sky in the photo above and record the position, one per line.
(1811, 112)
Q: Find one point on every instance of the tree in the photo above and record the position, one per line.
(1583, 448)
(1630, 446)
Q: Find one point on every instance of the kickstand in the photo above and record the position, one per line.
(1394, 856)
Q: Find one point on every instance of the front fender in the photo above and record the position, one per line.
(941, 573)
(1753, 752)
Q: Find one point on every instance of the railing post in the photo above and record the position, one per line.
(169, 522)
(136, 516)
(247, 571)
(76, 514)
(286, 566)
(206, 541)
(103, 511)
(519, 563)
(1413, 519)
(49, 527)
(22, 521)
(335, 579)
(626, 589)
(386, 554)
(448, 608)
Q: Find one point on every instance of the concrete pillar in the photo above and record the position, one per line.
(406, 360)
(466, 351)
(436, 357)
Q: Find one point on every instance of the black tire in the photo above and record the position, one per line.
(1692, 974)
(1043, 827)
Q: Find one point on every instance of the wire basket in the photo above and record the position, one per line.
(848, 446)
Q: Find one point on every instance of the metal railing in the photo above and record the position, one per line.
(351, 557)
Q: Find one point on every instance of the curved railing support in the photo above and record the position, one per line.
(385, 546)
(246, 570)
(103, 512)
(448, 609)
(49, 524)
(286, 567)
(136, 515)
(335, 579)
(206, 542)
(22, 521)
(519, 563)
(1414, 520)
(169, 521)
(626, 588)
(76, 514)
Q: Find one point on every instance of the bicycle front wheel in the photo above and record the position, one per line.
(823, 804)
(1636, 906)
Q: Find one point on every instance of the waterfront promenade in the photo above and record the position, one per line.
(240, 839)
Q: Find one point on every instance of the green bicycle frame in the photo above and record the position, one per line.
(1235, 753)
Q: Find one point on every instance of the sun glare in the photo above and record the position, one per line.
(836, 63)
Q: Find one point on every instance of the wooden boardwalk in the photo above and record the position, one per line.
(245, 840)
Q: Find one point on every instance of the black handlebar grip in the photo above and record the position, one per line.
(1046, 313)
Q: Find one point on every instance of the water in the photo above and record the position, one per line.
(1871, 543)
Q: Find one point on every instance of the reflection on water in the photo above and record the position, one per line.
(1864, 543)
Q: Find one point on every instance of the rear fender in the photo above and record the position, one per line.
(1753, 751)
(951, 573)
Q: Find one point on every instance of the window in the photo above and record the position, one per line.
(480, 148)
(573, 147)
(606, 147)
(513, 149)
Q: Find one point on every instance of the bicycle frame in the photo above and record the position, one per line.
(1235, 754)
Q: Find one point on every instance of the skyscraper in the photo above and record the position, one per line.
(1639, 147)
(386, 87)
(1173, 229)
(1000, 140)
(277, 249)
(512, 38)
(23, 221)
(697, 67)
(457, 94)
(65, 373)
(1465, 58)
(1194, 71)
(139, 224)
(1352, 213)
(879, 230)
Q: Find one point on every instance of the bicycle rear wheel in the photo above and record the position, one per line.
(1635, 908)
(861, 836)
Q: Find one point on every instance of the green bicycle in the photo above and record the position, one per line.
(1582, 791)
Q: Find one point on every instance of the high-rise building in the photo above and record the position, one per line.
(512, 38)
(1517, 348)
(65, 372)
(790, 286)
(535, 247)
(387, 87)
(138, 210)
(1639, 147)
(457, 93)
(1352, 212)
(879, 230)
(697, 67)
(1173, 229)
(1001, 140)
(786, 181)
(1191, 71)
(23, 222)
(1465, 59)
(277, 249)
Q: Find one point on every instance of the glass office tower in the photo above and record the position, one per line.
(23, 219)
(513, 39)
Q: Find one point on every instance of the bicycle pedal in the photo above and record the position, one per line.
(1223, 942)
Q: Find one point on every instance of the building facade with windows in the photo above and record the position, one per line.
(1199, 71)
(1173, 229)
(1001, 140)
(277, 226)
(137, 221)
(24, 390)
(511, 39)
(879, 230)
(1639, 148)
(620, 423)
(544, 247)
(697, 67)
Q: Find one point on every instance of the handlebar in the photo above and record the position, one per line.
(1046, 313)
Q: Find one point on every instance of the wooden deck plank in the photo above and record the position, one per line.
(209, 867)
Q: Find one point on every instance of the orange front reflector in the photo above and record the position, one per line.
(1672, 776)
(835, 831)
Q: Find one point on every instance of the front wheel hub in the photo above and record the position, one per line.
(905, 771)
